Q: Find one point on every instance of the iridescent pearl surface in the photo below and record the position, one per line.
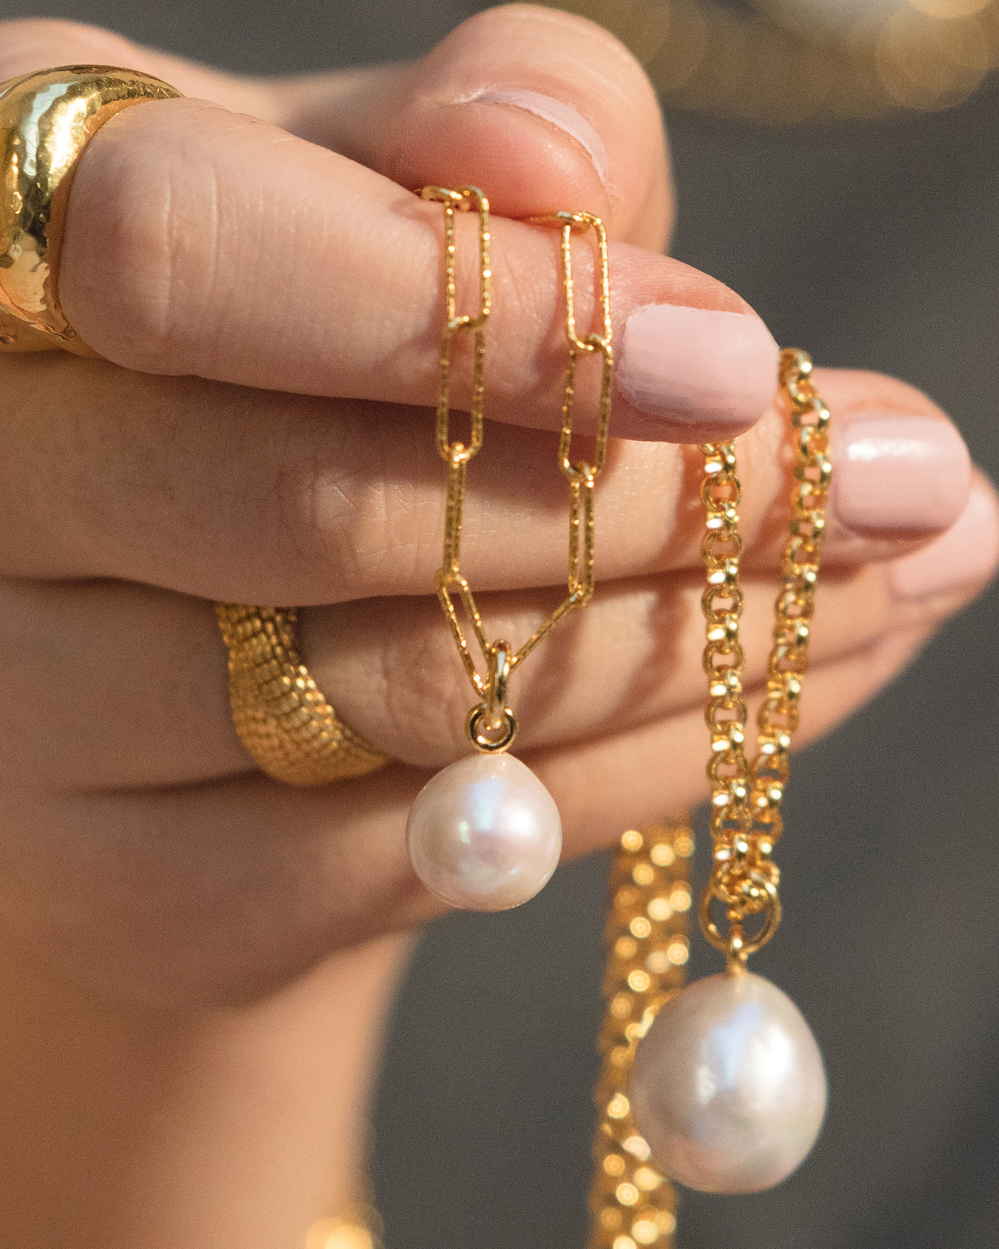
(484, 834)
(728, 1085)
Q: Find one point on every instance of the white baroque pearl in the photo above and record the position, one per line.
(484, 834)
(728, 1085)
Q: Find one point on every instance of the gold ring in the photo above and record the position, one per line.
(46, 120)
(280, 714)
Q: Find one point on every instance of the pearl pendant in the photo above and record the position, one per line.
(728, 1085)
(484, 834)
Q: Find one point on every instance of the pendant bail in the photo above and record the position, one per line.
(491, 725)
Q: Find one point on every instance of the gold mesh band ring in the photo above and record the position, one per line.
(283, 719)
(46, 121)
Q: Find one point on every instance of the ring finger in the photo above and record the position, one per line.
(213, 893)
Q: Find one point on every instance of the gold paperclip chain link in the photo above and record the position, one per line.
(491, 724)
(746, 820)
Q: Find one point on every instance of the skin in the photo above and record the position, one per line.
(177, 931)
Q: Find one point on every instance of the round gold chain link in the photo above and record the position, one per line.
(746, 820)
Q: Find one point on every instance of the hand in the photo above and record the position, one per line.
(265, 290)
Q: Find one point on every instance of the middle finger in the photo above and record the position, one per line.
(249, 496)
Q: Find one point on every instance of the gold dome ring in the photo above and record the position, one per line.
(46, 120)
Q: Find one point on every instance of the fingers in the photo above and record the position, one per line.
(659, 767)
(543, 108)
(30, 44)
(248, 496)
(215, 893)
(149, 666)
(202, 242)
(166, 216)
(633, 657)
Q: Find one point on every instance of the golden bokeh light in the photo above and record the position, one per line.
(789, 61)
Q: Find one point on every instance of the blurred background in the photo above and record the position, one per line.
(844, 181)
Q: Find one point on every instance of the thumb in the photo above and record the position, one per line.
(543, 110)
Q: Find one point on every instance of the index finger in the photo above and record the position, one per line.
(204, 242)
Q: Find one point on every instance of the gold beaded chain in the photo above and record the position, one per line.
(647, 939)
(491, 724)
(746, 818)
(631, 1204)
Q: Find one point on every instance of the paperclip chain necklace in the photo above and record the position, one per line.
(484, 834)
(582, 475)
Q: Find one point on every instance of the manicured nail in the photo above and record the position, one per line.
(965, 555)
(698, 366)
(894, 473)
(558, 113)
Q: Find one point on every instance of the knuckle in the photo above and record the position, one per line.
(117, 274)
(426, 694)
(345, 517)
(140, 264)
(382, 519)
(391, 670)
(427, 708)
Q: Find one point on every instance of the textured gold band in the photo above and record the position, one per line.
(46, 121)
(283, 719)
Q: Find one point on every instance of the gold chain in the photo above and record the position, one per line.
(491, 724)
(647, 938)
(631, 1204)
(746, 818)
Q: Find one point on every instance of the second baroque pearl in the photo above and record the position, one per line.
(728, 1086)
(484, 834)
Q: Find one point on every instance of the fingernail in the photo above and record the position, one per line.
(965, 555)
(698, 366)
(893, 473)
(558, 113)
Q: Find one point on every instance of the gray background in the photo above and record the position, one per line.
(874, 246)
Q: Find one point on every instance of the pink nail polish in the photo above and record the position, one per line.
(698, 367)
(894, 473)
(555, 111)
(964, 556)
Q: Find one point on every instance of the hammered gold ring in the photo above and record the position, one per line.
(46, 121)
